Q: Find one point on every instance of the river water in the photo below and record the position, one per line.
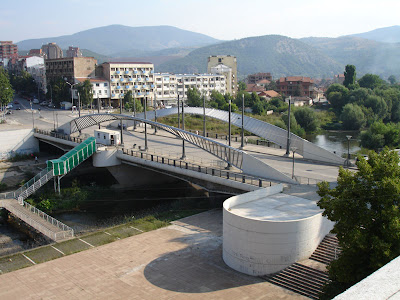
(337, 141)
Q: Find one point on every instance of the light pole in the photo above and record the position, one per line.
(183, 127)
(120, 123)
(294, 151)
(204, 115)
(79, 104)
(145, 124)
(242, 133)
(348, 150)
(72, 95)
(229, 136)
(155, 114)
(288, 130)
(51, 94)
(33, 119)
(179, 117)
(98, 106)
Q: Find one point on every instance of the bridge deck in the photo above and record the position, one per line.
(42, 225)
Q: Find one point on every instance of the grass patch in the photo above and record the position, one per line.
(13, 262)
(99, 238)
(43, 254)
(123, 231)
(72, 246)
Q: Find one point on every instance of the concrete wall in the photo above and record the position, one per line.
(105, 157)
(256, 247)
(17, 141)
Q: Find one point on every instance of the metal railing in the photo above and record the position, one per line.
(306, 180)
(33, 184)
(238, 177)
(60, 136)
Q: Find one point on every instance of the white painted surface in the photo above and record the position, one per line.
(17, 141)
(105, 157)
(265, 231)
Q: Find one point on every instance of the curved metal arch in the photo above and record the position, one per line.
(229, 154)
(262, 129)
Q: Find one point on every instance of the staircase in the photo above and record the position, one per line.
(306, 280)
(33, 185)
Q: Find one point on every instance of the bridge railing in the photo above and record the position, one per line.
(239, 177)
(66, 137)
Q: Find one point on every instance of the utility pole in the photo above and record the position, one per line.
(98, 107)
(179, 118)
(242, 133)
(229, 137)
(145, 124)
(183, 127)
(120, 122)
(155, 114)
(134, 113)
(204, 116)
(288, 131)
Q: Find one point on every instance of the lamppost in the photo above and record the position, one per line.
(179, 117)
(204, 116)
(51, 93)
(183, 127)
(288, 130)
(79, 104)
(242, 133)
(98, 106)
(33, 119)
(229, 135)
(134, 113)
(71, 85)
(294, 151)
(348, 150)
(155, 113)
(120, 123)
(145, 124)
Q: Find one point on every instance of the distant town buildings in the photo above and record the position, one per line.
(74, 52)
(256, 78)
(295, 86)
(8, 49)
(225, 65)
(137, 77)
(100, 88)
(70, 68)
(52, 51)
(35, 52)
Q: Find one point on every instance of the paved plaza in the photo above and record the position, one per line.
(181, 261)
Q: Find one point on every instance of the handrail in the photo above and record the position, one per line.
(238, 177)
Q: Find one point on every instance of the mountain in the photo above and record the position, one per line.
(384, 35)
(367, 55)
(117, 38)
(277, 54)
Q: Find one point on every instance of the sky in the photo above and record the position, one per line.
(220, 19)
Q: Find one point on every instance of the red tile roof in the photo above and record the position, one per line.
(296, 78)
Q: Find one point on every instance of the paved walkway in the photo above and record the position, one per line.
(182, 261)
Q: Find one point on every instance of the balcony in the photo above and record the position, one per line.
(145, 86)
(130, 79)
(152, 71)
(112, 95)
(122, 94)
(147, 93)
(136, 86)
(139, 79)
(112, 80)
(135, 72)
(152, 86)
(122, 79)
(127, 86)
(147, 78)
(139, 94)
(126, 72)
(117, 72)
(118, 86)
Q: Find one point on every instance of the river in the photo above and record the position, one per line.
(337, 141)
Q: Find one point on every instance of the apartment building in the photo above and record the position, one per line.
(255, 78)
(295, 86)
(52, 51)
(74, 52)
(8, 49)
(100, 89)
(169, 86)
(225, 65)
(137, 77)
(70, 68)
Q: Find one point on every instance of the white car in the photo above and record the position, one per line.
(35, 101)
(9, 105)
(44, 103)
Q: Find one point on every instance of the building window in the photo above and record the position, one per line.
(112, 69)
(99, 92)
(97, 84)
(105, 84)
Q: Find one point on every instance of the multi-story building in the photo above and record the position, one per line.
(52, 51)
(74, 52)
(255, 78)
(169, 86)
(137, 77)
(225, 65)
(70, 68)
(8, 49)
(295, 86)
(35, 52)
(100, 89)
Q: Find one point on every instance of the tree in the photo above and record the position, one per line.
(337, 96)
(378, 106)
(365, 209)
(61, 91)
(85, 90)
(349, 75)
(129, 103)
(370, 81)
(194, 97)
(6, 90)
(380, 135)
(352, 117)
(392, 79)
(306, 118)
(242, 86)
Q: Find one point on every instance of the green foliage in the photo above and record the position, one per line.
(370, 81)
(349, 75)
(3, 186)
(242, 86)
(352, 117)
(194, 97)
(306, 118)
(294, 126)
(131, 104)
(6, 90)
(392, 79)
(61, 91)
(365, 209)
(23, 83)
(85, 90)
(380, 135)
(337, 96)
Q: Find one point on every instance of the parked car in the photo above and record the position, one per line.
(35, 101)
(17, 107)
(51, 105)
(16, 102)
(8, 112)
(43, 103)
(9, 105)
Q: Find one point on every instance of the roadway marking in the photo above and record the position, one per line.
(58, 250)
(107, 233)
(86, 243)
(28, 259)
(136, 228)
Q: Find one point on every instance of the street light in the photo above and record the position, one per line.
(145, 124)
(155, 113)
(33, 119)
(120, 122)
(72, 95)
(183, 128)
(348, 150)
(242, 133)
(293, 150)
(288, 130)
(204, 116)
(229, 136)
